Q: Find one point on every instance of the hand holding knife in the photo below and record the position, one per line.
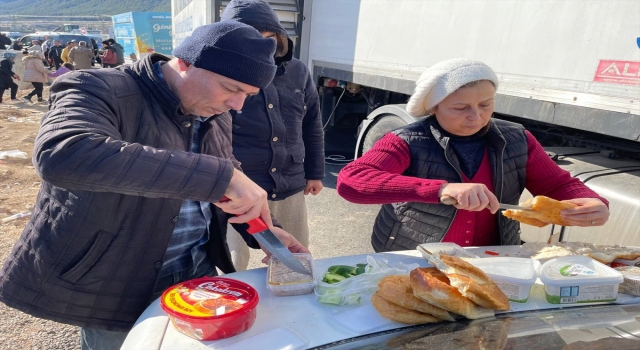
(269, 241)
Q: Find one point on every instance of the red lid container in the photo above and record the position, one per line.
(211, 308)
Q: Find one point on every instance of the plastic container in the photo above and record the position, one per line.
(284, 282)
(211, 308)
(446, 248)
(631, 283)
(579, 279)
(514, 276)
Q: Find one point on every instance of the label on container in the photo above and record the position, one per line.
(581, 294)
(206, 299)
(514, 292)
(576, 270)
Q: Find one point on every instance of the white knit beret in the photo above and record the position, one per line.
(444, 78)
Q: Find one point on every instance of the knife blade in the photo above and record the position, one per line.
(270, 242)
(448, 200)
(260, 231)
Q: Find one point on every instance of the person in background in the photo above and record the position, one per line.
(7, 75)
(17, 45)
(65, 52)
(81, 56)
(66, 68)
(5, 41)
(35, 73)
(119, 51)
(37, 47)
(46, 46)
(277, 136)
(93, 45)
(134, 162)
(55, 54)
(458, 151)
(108, 56)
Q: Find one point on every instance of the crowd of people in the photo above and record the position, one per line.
(41, 58)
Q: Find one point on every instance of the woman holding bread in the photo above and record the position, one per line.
(459, 151)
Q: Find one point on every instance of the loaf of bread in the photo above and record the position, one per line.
(398, 313)
(544, 211)
(472, 282)
(433, 286)
(397, 289)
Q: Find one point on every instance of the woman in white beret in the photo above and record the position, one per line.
(460, 151)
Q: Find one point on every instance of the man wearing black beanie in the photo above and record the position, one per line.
(134, 162)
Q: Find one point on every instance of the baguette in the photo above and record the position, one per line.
(544, 211)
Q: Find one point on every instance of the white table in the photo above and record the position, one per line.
(298, 322)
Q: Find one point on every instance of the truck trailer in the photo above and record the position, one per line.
(569, 72)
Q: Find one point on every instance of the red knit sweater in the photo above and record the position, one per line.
(376, 178)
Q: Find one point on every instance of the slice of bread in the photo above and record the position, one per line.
(544, 211)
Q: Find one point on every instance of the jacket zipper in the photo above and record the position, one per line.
(501, 164)
(446, 156)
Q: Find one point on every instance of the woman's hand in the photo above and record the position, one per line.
(589, 212)
(313, 186)
(471, 196)
(288, 240)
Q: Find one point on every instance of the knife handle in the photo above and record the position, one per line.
(448, 200)
(255, 225)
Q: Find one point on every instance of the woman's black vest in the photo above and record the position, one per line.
(403, 226)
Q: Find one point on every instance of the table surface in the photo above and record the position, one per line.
(299, 322)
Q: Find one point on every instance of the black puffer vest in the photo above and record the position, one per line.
(403, 226)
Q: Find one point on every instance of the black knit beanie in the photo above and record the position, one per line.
(231, 49)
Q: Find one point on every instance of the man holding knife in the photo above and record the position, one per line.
(130, 202)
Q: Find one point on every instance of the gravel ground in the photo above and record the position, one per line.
(18, 188)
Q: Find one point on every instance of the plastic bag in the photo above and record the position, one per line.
(359, 288)
(13, 153)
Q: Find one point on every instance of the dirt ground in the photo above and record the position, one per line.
(19, 184)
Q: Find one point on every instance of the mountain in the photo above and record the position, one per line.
(80, 7)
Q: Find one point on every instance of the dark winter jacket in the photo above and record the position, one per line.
(403, 226)
(55, 53)
(5, 42)
(6, 73)
(119, 51)
(277, 136)
(114, 179)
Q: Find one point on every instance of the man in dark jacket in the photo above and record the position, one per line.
(277, 136)
(5, 41)
(7, 75)
(131, 161)
(118, 50)
(55, 54)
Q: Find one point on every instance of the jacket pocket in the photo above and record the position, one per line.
(94, 253)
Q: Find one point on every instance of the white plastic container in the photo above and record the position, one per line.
(446, 248)
(514, 276)
(284, 282)
(579, 279)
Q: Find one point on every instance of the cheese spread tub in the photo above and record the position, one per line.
(579, 279)
(514, 276)
(211, 308)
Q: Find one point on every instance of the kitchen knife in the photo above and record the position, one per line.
(270, 242)
(452, 201)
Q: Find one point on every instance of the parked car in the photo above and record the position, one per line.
(63, 37)
(13, 35)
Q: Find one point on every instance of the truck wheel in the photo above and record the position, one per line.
(380, 127)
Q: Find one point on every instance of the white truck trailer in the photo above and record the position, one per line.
(569, 71)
